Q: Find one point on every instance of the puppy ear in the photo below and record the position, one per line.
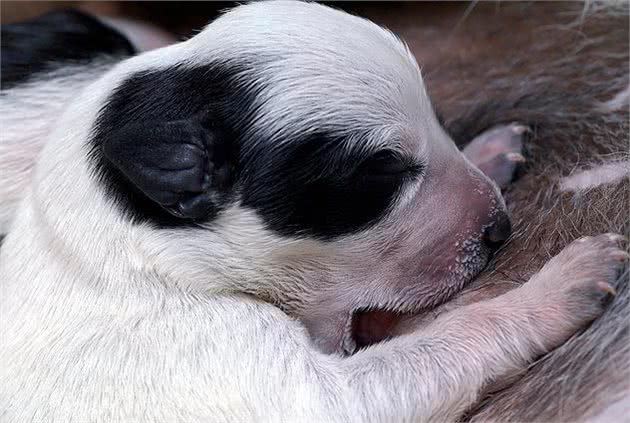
(185, 167)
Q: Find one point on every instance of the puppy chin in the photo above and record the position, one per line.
(344, 324)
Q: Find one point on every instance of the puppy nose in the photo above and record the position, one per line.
(498, 231)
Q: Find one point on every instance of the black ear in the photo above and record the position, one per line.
(185, 167)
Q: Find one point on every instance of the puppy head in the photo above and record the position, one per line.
(288, 151)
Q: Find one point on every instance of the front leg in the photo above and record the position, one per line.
(455, 357)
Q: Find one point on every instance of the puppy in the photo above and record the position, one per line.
(195, 200)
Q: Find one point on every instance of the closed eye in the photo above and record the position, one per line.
(390, 163)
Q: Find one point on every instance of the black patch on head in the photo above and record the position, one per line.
(308, 185)
(54, 40)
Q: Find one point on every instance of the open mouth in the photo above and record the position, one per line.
(366, 327)
(370, 325)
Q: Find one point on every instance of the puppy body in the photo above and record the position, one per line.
(114, 312)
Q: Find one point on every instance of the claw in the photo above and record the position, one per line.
(515, 157)
(520, 129)
(607, 288)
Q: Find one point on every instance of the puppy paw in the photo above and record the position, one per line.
(497, 152)
(575, 286)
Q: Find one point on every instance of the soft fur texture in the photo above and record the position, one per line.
(121, 319)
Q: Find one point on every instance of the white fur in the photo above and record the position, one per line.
(606, 173)
(617, 411)
(27, 115)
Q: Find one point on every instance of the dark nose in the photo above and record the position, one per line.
(498, 231)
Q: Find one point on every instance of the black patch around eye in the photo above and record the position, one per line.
(53, 40)
(310, 189)
(390, 163)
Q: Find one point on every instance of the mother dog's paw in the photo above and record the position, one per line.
(497, 151)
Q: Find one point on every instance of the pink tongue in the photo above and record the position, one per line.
(370, 327)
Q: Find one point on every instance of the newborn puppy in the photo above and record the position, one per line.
(196, 199)
(49, 58)
(74, 48)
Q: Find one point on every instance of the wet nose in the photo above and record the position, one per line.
(498, 231)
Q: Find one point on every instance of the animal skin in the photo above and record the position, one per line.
(143, 263)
